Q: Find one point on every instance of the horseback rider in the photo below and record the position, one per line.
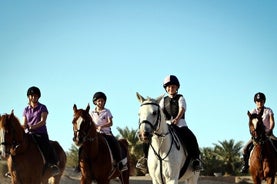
(102, 118)
(268, 121)
(174, 107)
(34, 122)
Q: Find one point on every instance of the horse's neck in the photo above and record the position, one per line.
(162, 135)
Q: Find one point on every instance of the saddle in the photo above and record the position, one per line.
(114, 149)
(175, 135)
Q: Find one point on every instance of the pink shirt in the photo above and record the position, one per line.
(265, 116)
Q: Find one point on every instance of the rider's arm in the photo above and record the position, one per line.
(41, 123)
(272, 122)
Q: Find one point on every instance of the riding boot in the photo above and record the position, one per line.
(122, 165)
(245, 165)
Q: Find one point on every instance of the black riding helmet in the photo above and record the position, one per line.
(98, 95)
(34, 91)
(170, 80)
(259, 96)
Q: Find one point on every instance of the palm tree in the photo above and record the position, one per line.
(229, 153)
(211, 163)
(135, 147)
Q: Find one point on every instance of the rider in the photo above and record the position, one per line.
(269, 123)
(34, 121)
(174, 107)
(102, 118)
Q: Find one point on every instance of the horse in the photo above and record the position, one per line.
(166, 156)
(26, 164)
(263, 162)
(95, 158)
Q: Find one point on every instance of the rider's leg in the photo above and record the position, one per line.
(192, 147)
(48, 152)
(142, 162)
(116, 151)
(246, 153)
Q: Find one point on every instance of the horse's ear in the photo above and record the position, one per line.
(88, 107)
(158, 99)
(12, 113)
(74, 107)
(249, 114)
(140, 98)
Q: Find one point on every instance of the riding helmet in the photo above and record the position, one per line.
(259, 96)
(171, 80)
(33, 90)
(98, 95)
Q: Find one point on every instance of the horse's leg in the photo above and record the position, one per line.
(270, 180)
(257, 180)
(124, 177)
(56, 179)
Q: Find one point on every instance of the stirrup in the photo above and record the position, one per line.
(196, 165)
(244, 170)
(122, 164)
(55, 170)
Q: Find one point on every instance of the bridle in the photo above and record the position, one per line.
(155, 127)
(13, 144)
(157, 122)
(258, 136)
(84, 134)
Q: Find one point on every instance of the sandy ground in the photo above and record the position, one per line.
(69, 177)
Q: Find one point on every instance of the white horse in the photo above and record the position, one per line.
(165, 160)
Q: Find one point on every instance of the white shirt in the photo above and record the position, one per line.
(101, 118)
(265, 116)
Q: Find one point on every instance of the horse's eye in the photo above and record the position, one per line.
(154, 113)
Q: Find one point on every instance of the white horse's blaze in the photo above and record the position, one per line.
(79, 123)
(161, 151)
(2, 140)
(255, 122)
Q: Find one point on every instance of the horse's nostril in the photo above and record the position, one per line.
(146, 134)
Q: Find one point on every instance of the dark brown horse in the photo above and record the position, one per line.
(24, 159)
(263, 156)
(94, 154)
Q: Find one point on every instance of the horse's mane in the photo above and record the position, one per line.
(11, 121)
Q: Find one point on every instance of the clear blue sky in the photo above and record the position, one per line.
(223, 52)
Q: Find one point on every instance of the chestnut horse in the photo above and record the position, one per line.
(167, 162)
(263, 156)
(95, 158)
(24, 159)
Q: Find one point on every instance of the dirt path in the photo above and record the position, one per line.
(70, 177)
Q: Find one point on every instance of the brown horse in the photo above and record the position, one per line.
(263, 156)
(94, 155)
(24, 159)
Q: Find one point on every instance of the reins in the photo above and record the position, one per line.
(156, 127)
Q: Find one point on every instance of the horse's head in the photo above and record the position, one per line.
(256, 127)
(149, 117)
(82, 125)
(11, 133)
